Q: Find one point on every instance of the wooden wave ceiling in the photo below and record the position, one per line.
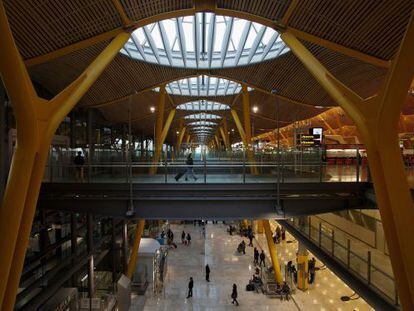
(45, 30)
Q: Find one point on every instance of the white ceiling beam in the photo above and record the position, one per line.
(256, 43)
(165, 42)
(242, 42)
(181, 38)
(139, 47)
(226, 39)
(196, 30)
(151, 43)
(269, 45)
(211, 38)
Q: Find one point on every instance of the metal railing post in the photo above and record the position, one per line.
(357, 164)
(244, 166)
(320, 166)
(320, 235)
(165, 171)
(348, 253)
(205, 167)
(369, 267)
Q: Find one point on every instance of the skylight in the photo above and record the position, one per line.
(202, 123)
(203, 86)
(203, 105)
(202, 116)
(204, 41)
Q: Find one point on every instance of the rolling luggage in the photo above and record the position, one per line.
(179, 175)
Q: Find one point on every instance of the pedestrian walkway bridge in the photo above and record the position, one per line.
(205, 201)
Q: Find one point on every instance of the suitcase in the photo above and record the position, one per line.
(179, 175)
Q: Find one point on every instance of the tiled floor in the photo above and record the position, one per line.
(219, 251)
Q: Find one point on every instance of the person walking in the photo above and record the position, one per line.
(204, 231)
(207, 273)
(190, 172)
(79, 163)
(234, 295)
(251, 236)
(188, 239)
(243, 244)
(283, 233)
(262, 259)
(183, 237)
(190, 288)
(256, 256)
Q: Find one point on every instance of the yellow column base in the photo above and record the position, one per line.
(303, 275)
(273, 252)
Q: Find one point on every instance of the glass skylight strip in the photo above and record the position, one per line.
(227, 42)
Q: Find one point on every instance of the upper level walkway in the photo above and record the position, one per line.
(221, 188)
(205, 201)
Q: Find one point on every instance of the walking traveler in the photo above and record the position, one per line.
(190, 288)
(207, 273)
(262, 259)
(234, 295)
(256, 256)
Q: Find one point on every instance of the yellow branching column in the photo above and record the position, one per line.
(224, 137)
(134, 251)
(161, 140)
(248, 128)
(159, 123)
(180, 137)
(226, 133)
(272, 250)
(36, 122)
(377, 121)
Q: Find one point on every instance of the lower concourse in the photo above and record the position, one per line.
(218, 250)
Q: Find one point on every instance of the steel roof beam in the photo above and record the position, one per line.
(242, 42)
(165, 42)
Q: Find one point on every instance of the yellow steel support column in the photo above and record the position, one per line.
(159, 123)
(180, 139)
(248, 127)
(226, 133)
(377, 121)
(272, 251)
(238, 125)
(224, 137)
(260, 228)
(303, 269)
(216, 139)
(134, 251)
(161, 140)
(36, 122)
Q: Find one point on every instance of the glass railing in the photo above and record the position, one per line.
(352, 255)
(208, 171)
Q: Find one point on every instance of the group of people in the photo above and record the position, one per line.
(257, 256)
(280, 235)
(185, 239)
(233, 295)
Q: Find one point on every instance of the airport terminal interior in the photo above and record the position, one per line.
(206, 155)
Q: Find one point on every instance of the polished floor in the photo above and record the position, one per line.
(219, 251)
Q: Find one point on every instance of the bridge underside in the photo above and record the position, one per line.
(205, 201)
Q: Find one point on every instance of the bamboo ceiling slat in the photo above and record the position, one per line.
(373, 27)
(40, 27)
